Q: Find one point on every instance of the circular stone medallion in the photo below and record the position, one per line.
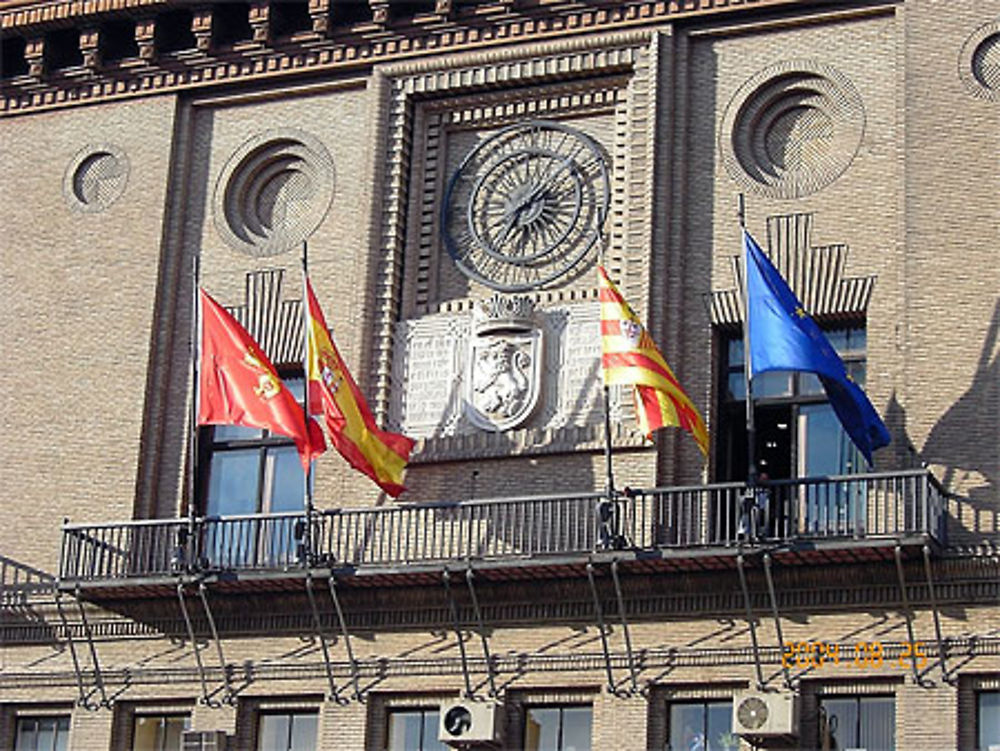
(95, 178)
(273, 193)
(792, 129)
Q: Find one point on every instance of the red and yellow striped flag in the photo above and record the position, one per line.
(629, 357)
(378, 453)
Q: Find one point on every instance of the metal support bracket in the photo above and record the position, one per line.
(624, 620)
(218, 643)
(942, 647)
(601, 627)
(205, 696)
(750, 621)
(347, 637)
(776, 616)
(481, 627)
(908, 613)
(84, 700)
(322, 637)
(446, 578)
(98, 676)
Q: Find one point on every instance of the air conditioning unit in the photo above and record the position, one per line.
(203, 740)
(761, 714)
(466, 721)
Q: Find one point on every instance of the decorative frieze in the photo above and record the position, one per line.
(329, 46)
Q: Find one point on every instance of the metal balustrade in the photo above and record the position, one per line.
(849, 507)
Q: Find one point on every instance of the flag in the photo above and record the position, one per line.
(629, 357)
(238, 384)
(782, 336)
(378, 453)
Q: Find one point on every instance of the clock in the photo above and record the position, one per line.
(526, 206)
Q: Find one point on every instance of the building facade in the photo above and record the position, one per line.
(456, 171)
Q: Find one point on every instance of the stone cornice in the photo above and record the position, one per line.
(360, 46)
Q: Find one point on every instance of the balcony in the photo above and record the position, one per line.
(807, 520)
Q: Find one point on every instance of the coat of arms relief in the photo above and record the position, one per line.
(497, 366)
(504, 363)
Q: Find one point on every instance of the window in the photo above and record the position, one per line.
(798, 435)
(557, 728)
(702, 726)
(988, 720)
(858, 722)
(42, 734)
(414, 730)
(252, 471)
(159, 732)
(287, 731)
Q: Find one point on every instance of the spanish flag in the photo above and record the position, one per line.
(238, 385)
(629, 357)
(378, 453)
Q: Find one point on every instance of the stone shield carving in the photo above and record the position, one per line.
(504, 365)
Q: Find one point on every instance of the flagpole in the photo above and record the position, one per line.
(307, 490)
(608, 506)
(747, 363)
(195, 347)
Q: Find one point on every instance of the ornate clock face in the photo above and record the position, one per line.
(526, 206)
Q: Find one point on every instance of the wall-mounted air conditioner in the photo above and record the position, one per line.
(756, 713)
(466, 721)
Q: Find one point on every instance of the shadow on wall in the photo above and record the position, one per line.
(964, 443)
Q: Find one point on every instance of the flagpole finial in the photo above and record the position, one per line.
(741, 210)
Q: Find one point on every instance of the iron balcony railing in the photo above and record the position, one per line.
(849, 507)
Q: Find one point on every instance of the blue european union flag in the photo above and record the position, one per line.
(782, 336)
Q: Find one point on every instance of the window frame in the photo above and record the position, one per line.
(562, 707)
(857, 699)
(979, 694)
(424, 712)
(58, 731)
(804, 391)
(290, 712)
(263, 442)
(166, 715)
(704, 703)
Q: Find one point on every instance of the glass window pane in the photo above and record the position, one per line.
(877, 723)
(838, 723)
(719, 717)
(222, 433)
(734, 355)
(576, 723)
(232, 486)
(809, 384)
(772, 385)
(404, 731)
(173, 730)
(287, 481)
(736, 385)
(27, 734)
(989, 719)
(541, 729)
(304, 732)
(46, 738)
(272, 733)
(146, 734)
(687, 727)
(62, 734)
(430, 737)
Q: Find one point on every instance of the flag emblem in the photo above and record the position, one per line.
(631, 358)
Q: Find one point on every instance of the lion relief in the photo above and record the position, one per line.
(500, 377)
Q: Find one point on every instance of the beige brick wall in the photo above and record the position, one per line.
(79, 292)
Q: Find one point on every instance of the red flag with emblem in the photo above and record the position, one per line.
(238, 385)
